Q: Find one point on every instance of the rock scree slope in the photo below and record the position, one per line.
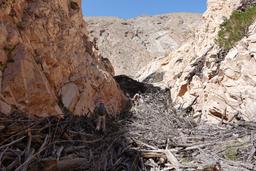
(48, 63)
(130, 44)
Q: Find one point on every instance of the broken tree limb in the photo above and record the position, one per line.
(172, 159)
(143, 144)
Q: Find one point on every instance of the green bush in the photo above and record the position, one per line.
(235, 28)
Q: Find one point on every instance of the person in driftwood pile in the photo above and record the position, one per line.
(101, 113)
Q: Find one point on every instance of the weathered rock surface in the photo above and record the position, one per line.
(132, 44)
(233, 91)
(221, 85)
(47, 60)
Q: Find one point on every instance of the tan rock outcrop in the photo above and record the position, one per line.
(46, 59)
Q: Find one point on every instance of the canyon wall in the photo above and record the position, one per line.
(48, 63)
(218, 84)
(130, 44)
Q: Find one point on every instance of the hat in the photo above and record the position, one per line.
(99, 100)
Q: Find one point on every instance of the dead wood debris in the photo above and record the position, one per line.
(150, 137)
(163, 134)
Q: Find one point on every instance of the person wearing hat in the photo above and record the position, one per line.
(101, 113)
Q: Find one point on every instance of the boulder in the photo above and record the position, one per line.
(47, 60)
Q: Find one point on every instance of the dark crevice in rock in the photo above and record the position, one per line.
(219, 57)
(74, 5)
(198, 66)
(131, 87)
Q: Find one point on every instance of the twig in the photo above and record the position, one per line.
(23, 167)
(56, 128)
(43, 145)
(172, 159)
(13, 142)
(168, 169)
(59, 152)
(19, 132)
(14, 164)
(165, 154)
(153, 154)
(72, 148)
(32, 155)
(2, 154)
(167, 143)
(252, 153)
(27, 151)
(80, 141)
(201, 145)
(143, 144)
(253, 150)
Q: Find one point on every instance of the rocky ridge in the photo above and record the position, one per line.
(48, 63)
(133, 43)
(220, 85)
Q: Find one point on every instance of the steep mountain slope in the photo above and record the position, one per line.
(47, 61)
(219, 83)
(132, 44)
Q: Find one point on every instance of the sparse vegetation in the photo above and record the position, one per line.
(235, 28)
(231, 153)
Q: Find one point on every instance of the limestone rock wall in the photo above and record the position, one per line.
(231, 94)
(174, 64)
(221, 85)
(48, 62)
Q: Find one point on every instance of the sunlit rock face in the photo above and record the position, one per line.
(133, 43)
(48, 63)
(221, 83)
(232, 92)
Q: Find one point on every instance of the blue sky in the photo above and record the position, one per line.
(133, 8)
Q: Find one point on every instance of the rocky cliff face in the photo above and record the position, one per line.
(218, 85)
(47, 61)
(132, 44)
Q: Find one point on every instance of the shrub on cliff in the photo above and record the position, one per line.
(235, 28)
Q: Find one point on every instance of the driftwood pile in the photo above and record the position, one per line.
(152, 136)
(172, 140)
(59, 144)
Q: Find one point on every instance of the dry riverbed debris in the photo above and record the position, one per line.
(152, 136)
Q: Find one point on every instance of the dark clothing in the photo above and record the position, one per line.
(100, 109)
